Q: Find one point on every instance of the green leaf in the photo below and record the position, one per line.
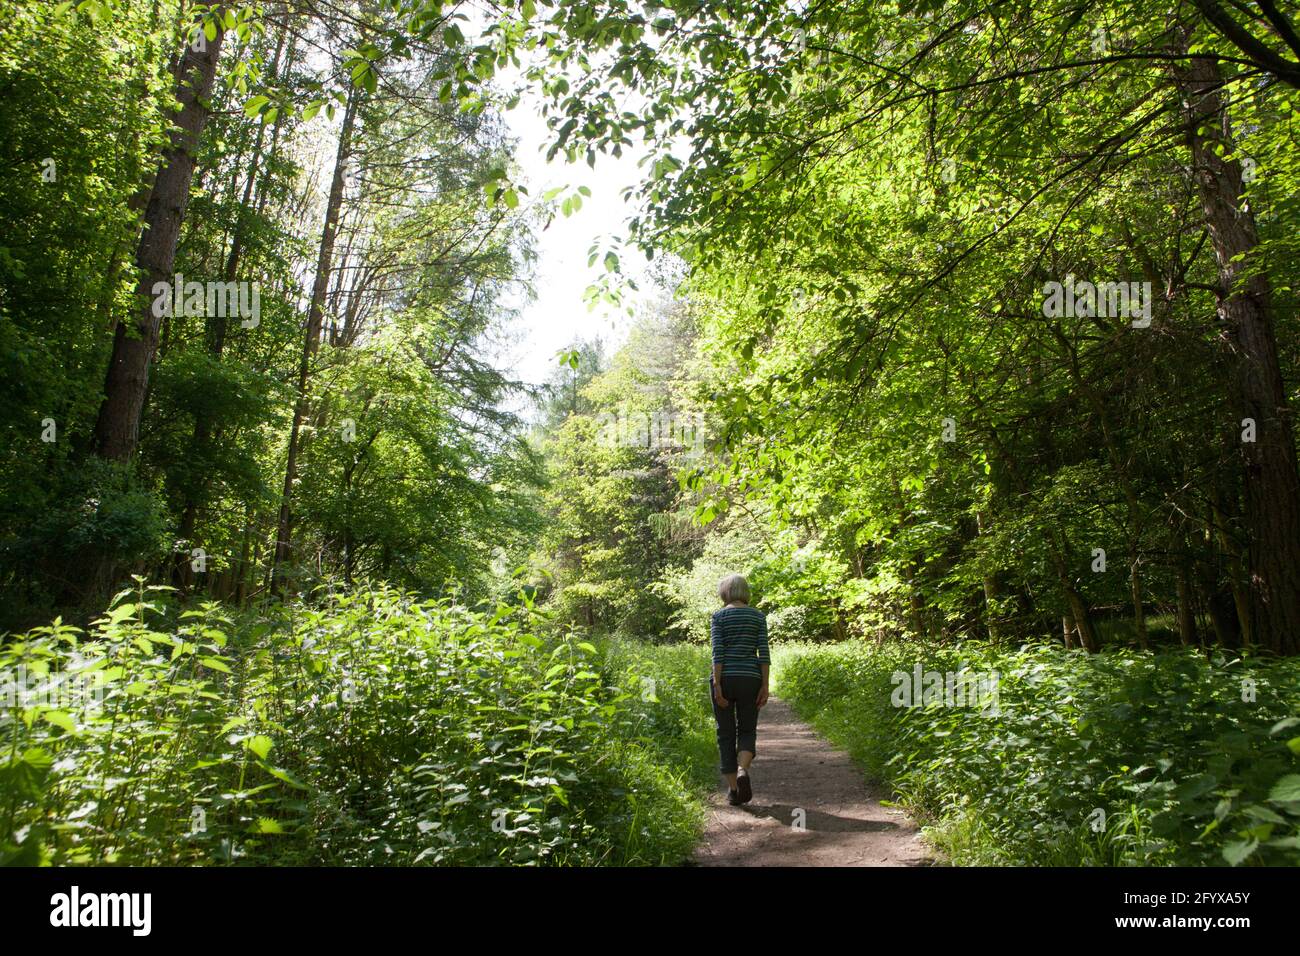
(281, 774)
(60, 719)
(1286, 790)
(216, 663)
(1263, 813)
(25, 775)
(1238, 851)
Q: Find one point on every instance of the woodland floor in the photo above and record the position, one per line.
(796, 769)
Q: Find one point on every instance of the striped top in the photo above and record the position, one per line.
(739, 640)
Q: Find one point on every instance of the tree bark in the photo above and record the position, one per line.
(1119, 465)
(1077, 607)
(117, 428)
(1272, 481)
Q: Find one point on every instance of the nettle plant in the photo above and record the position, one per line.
(116, 775)
(1112, 759)
(369, 728)
(170, 761)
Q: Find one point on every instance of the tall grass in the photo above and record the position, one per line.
(669, 725)
(1113, 759)
(370, 728)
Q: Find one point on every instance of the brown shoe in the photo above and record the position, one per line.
(733, 798)
(744, 790)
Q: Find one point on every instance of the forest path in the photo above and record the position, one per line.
(796, 769)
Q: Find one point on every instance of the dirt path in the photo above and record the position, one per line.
(798, 770)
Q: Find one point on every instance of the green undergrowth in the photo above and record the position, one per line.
(367, 728)
(1121, 758)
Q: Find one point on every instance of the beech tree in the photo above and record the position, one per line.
(136, 341)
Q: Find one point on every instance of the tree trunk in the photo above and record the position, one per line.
(1233, 567)
(216, 331)
(1272, 481)
(1118, 462)
(315, 315)
(1082, 620)
(117, 428)
(1186, 618)
(991, 588)
(1076, 605)
(1223, 618)
(241, 569)
(1135, 593)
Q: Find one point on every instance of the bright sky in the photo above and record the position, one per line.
(559, 316)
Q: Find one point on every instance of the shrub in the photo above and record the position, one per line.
(368, 728)
(792, 624)
(1183, 769)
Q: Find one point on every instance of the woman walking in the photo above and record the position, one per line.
(739, 682)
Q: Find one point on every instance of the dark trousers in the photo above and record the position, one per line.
(737, 723)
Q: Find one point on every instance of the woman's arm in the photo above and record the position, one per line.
(715, 637)
(764, 659)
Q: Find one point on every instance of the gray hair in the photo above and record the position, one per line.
(733, 588)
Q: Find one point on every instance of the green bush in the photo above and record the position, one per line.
(96, 518)
(792, 624)
(798, 584)
(1183, 770)
(372, 728)
(668, 724)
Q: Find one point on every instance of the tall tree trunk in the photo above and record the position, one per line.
(242, 568)
(991, 587)
(217, 326)
(1186, 617)
(1272, 481)
(1135, 595)
(1234, 567)
(1077, 607)
(117, 429)
(315, 315)
(1119, 465)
